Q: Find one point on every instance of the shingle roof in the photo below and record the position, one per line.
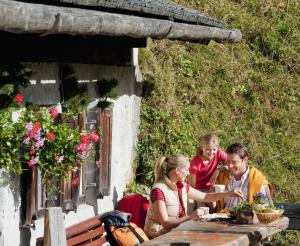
(145, 8)
(45, 19)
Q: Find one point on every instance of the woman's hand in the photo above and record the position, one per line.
(236, 192)
(196, 214)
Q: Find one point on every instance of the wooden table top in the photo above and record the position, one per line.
(219, 233)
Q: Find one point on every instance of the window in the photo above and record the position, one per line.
(79, 186)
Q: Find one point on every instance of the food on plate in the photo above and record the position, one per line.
(216, 216)
(269, 209)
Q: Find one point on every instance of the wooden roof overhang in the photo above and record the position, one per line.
(41, 19)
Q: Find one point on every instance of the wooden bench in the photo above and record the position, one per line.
(89, 232)
(292, 211)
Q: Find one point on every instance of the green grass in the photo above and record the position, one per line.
(248, 91)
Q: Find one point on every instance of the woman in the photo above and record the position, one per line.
(168, 199)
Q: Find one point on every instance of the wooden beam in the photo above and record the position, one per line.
(19, 17)
(160, 9)
(55, 233)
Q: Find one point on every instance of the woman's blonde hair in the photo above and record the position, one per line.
(166, 164)
(208, 139)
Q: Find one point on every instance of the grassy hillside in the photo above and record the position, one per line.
(249, 91)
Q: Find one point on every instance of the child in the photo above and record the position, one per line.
(203, 167)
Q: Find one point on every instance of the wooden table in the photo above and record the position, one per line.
(219, 233)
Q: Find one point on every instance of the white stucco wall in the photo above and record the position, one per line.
(126, 112)
(10, 202)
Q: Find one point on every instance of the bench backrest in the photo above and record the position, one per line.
(292, 211)
(89, 232)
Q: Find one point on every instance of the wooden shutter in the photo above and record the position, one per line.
(105, 123)
(70, 194)
(30, 188)
(32, 195)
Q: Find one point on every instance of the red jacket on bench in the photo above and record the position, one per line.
(137, 205)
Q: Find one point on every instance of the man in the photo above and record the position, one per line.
(239, 175)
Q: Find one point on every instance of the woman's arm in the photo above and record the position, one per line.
(211, 197)
(160, 210)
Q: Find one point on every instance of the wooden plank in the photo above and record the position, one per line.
(105, 123)
(47, 20)
(86, 236)
(83, 226)
(54, 228)
(67, 192)
(97, 242)
(292, 211)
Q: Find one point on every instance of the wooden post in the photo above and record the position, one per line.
(54, 234)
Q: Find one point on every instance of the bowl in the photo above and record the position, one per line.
(269, 217)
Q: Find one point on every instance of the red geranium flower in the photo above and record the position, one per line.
(83, 138)
(50, 136)
(36, 127)
(94, 137)
(18, 99)
(53, 112)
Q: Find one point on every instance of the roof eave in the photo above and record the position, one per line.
(19, 17)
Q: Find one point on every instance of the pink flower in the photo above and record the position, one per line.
(98, 164)
(32, 150)
(81, 147)
(53, 112)
(18, 99)
(29, 126)
(59, 159)
(75, 181)
(50, 136)
(75, 169)
(26, 140)
(94, 137)
(32, 162)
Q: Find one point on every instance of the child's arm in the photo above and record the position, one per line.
(215, 174)
(222, 157)
(192, 180)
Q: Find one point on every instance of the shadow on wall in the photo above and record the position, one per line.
(11, 182)
(115, 198)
